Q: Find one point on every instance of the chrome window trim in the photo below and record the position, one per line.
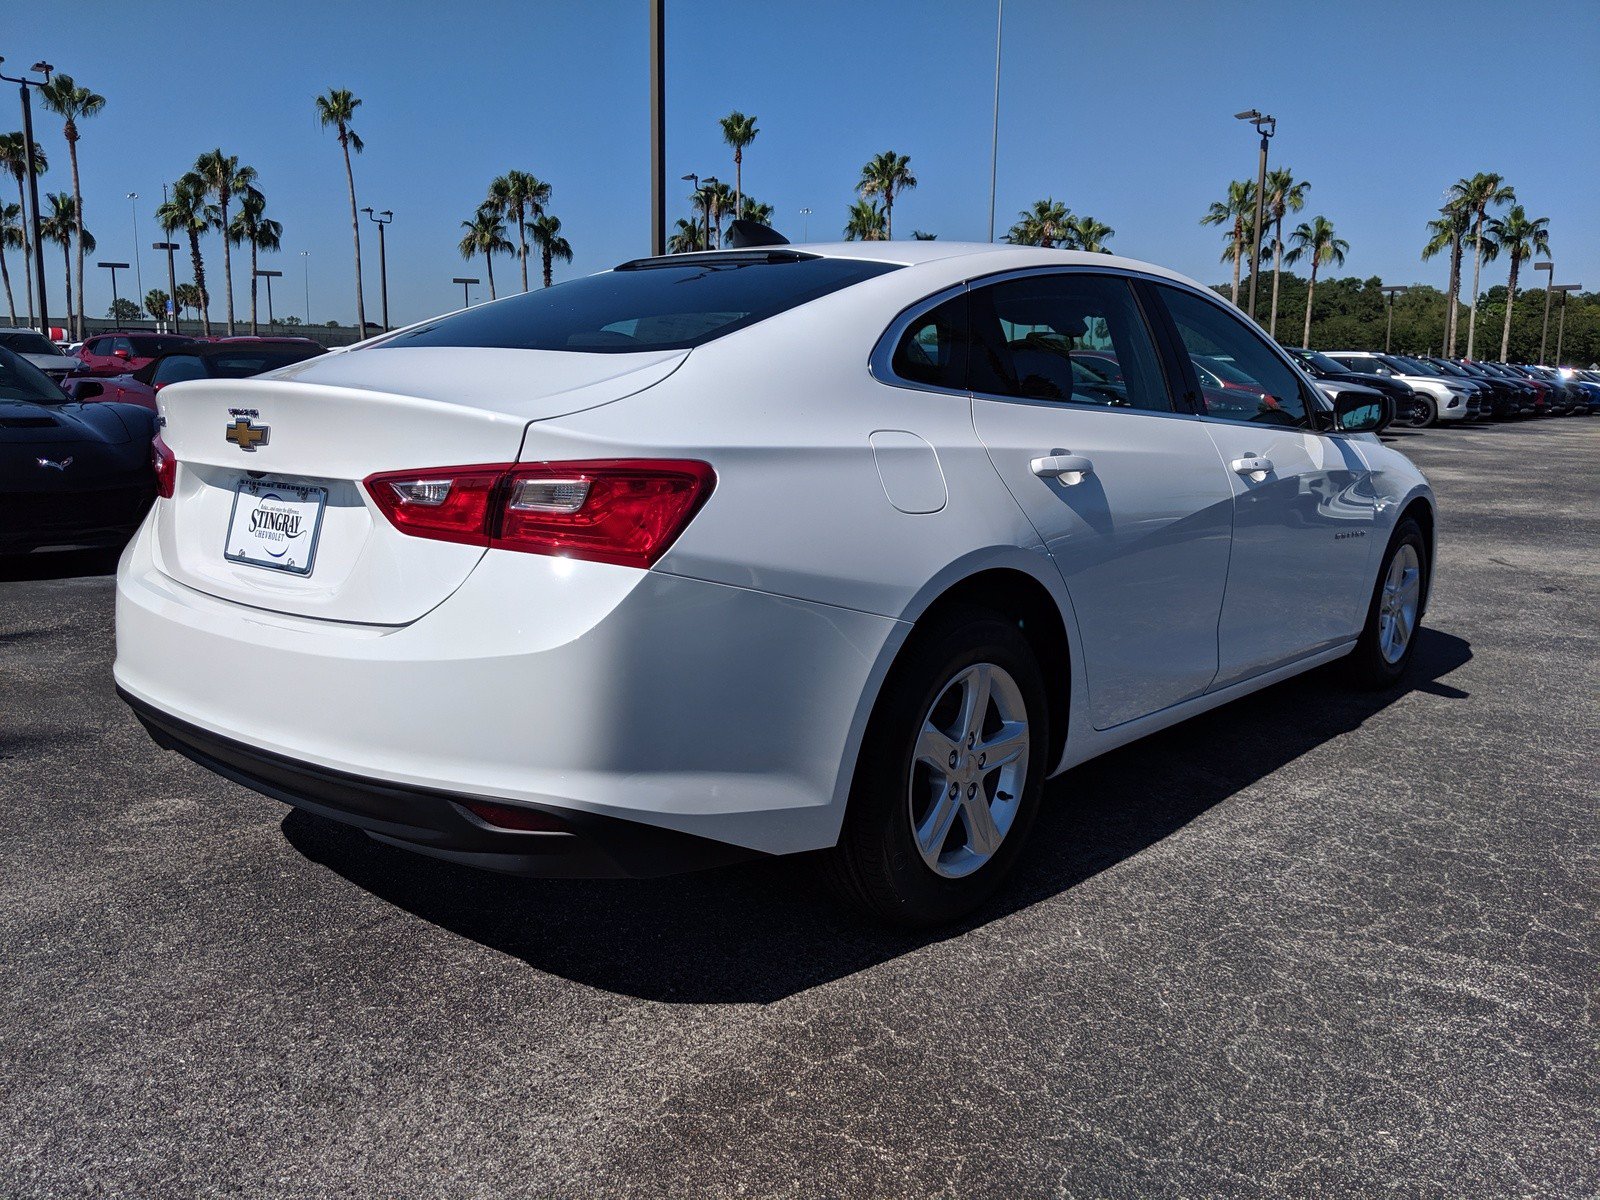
(880, 361)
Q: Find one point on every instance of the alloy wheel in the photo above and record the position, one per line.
(1397, 607)
(968, 770)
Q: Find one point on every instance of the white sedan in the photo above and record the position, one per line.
(840, 548)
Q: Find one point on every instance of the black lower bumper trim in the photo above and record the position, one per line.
(434, 822)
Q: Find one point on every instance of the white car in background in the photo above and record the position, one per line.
(840, 548)
(1452, 399)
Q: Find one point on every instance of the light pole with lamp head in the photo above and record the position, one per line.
(172, 280)
(466, 295)
(305, 261)
(115, 299)
(805, 235)
(1561, 321)
(269, 276)
(24, 83)
(381, 220)
(1390, 292)
(1266, 126)
(1550, 269)
(138, 266)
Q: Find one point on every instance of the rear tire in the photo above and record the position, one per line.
(1394, 617)
(1422, 412)
(949, 776)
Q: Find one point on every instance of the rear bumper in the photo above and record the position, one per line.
(719, 712)
(438, 823)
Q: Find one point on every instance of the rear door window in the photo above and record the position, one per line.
(655, 304)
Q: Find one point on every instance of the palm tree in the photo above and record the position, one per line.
(65, 228)
(688, 237)
(886, 175)
(336, 109)
(1448, 231)
(155, 304)
(252, 227)
(486, 235)
(191, 296)
(224, 177)
(1237, 213)
(1475, 196)
(1317, 241)
(711, 200)
(1521, 237)
(1285, 194)
(1085, 233)
(14, 158)
(187, 211)
(919, 235)
(72, 104)
(517, 195)
(11, 237)
(546, 231)
(1044, 224)
(865, 223)
(738, 131)
(751, 209)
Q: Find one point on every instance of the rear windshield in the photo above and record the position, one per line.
(149, 347)
(241, 364)
(661, 305)
(1321, 361)
(28, 343)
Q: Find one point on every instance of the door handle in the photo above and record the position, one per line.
(1256, 467)
(1070, 469)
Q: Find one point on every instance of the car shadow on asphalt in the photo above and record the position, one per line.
(58, 564)
(759, 932)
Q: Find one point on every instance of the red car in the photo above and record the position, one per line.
(236, 358)
(118, 353)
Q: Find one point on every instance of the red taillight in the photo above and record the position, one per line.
(166, 464)
(615, 511)
(513, 816)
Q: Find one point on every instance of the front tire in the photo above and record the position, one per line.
(1422, 412)
(950, 774)
(1389, 638)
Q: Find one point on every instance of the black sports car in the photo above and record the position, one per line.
(70, 474)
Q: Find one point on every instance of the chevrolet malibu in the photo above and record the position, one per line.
(758, 552)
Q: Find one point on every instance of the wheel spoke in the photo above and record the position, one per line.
(936, 826)
(1007, 745)
(974, 703)
(982, 835)
(935, 748)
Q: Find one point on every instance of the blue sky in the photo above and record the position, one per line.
(1121, 110)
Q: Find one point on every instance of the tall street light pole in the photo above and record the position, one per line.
(172, 280)
(1391, 292)
(693, 181)
(24, 83)
(466, 294)
(708, 183)
(805, 228)
(1266, 126)
(269, 276)
(994, 135)
(114, 268)
(1561, 321)
(1544, 337)
(305, 261)
(381, 220)
(658, 127)
(138, 267)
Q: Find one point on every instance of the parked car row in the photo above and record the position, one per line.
(1430, 390)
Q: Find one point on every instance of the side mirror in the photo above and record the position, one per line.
(122, 354)
(1356, 413)
(88, 391)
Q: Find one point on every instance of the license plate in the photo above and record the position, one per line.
(275, 525)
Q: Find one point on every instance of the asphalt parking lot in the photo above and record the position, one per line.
(1314, 943)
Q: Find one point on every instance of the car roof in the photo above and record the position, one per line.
(978, 258)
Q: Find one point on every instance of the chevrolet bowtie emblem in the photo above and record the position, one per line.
(247, 436)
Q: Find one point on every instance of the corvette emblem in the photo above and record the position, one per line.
(247, 436)
(52, 464)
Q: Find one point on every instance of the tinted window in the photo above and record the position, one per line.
(149, 347)
(933, 349)
(1075, 338)
(122, 344)
(21, 380)
(663, 305)
(26, 342)
(240, 364)
(1241, 379)
(1319, 361)
(176, 368)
